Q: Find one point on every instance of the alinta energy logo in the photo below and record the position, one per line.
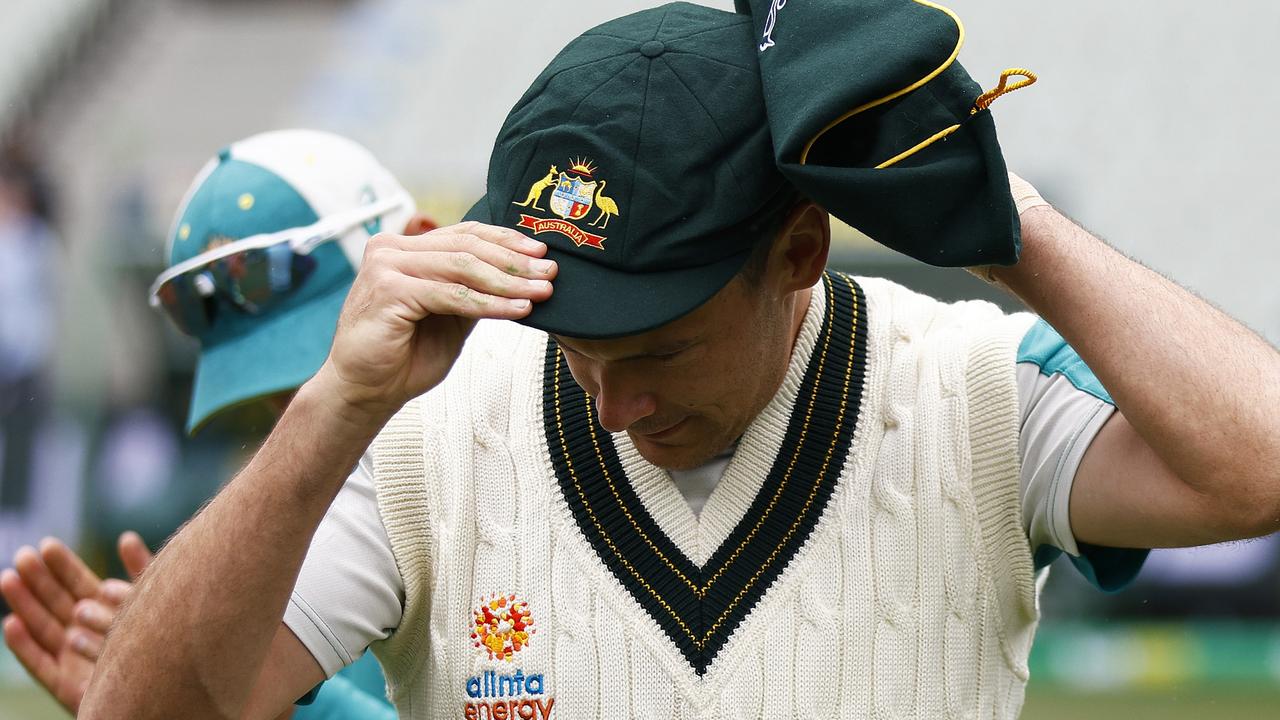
(502, 626)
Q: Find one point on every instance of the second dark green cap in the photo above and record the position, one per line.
(873, 118)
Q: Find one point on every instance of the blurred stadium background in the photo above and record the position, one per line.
(1152, 124)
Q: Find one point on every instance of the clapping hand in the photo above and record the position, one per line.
(62, 611)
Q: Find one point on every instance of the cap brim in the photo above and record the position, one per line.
(279, 354)
(591, 301)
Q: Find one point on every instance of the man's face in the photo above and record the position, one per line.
(687, 390)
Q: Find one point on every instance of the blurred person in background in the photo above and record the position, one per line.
(28, 313)
(261, 255)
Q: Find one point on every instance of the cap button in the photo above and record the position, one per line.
(653, 48)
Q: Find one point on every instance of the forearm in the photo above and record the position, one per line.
(191, 641)
(1198, 387)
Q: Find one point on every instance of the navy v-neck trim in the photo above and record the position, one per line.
(699, 607)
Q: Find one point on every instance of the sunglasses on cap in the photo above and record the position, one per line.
(254, 273)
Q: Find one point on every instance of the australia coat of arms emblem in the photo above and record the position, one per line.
(575, 193)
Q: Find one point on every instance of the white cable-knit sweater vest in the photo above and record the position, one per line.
(862, 557)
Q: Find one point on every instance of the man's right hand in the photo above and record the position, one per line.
(222, 646)
(415, 300)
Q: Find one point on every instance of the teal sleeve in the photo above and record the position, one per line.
(1108, 569)
(340, 699)
(355, 693)
(1043, 346)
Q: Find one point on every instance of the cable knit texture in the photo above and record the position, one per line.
(914, 597)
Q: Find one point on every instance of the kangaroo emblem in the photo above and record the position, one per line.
(539, 187)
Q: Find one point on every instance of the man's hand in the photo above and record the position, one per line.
(62, 611)
(406, 317)
(413, 304)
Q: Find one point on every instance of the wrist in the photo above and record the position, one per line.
(1044, 231)
(1027, 203)
(1025, 196)
(328, 396)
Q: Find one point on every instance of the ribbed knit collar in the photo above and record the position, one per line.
(698, 606)
(698, 536)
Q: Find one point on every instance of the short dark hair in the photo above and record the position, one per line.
(766, 225)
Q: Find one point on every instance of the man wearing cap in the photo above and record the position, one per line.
(877, 474)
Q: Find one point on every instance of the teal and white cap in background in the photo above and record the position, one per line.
(267, 183)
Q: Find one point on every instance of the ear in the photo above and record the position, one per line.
(799, 255)
(420, 224)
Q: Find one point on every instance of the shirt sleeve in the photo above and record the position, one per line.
(349, 592)
(1062, 407)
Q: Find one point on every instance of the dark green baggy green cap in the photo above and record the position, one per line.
(873, 118)
(642, 157)
(651, 151)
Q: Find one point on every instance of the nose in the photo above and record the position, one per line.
(620, 410)
(620, 401)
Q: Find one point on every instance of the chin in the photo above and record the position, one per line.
(673, 456)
